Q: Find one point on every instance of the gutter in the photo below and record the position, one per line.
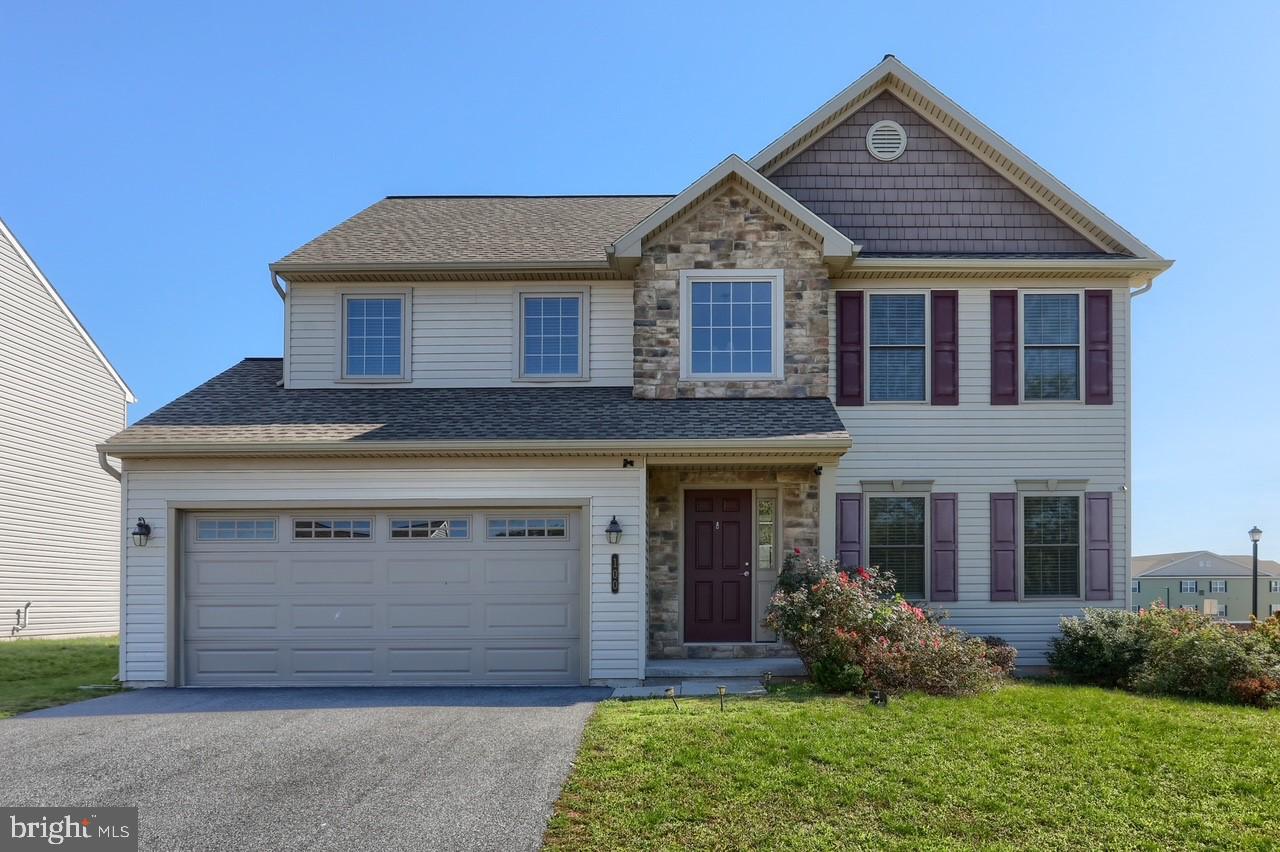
(1134, 264)
(465, 266)
(106, 465)
(826, 445)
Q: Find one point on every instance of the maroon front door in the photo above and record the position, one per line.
(717, 566)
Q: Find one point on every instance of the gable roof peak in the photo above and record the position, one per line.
(893, 76)
(837, 249)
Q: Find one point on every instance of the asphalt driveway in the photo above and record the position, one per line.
(322, 769)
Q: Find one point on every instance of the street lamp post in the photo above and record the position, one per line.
(1255, 535)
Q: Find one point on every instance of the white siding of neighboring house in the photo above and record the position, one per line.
(976, 449)
(60, 523)
(616, 626)
(463, 334)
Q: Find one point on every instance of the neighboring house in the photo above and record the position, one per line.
(889, 336)
(1204, 581)
(60, 539)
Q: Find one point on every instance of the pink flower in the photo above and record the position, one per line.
(797, 551)
(863, 575)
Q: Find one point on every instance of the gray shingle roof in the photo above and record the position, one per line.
(245, 405)
(478, 229)
(1188, 564)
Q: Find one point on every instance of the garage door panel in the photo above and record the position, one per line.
(236, 616)
(534, 574)
(431, 573)
(312, 573)
(234, 662)
(376, 611)
(218, 572)
(335, 661)
(330, 616)
(458, 615)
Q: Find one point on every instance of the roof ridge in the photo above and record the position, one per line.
(554, 195)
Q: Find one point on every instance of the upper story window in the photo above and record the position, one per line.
(1051, 346)
(1218, 586)
(731, 324)
(897, 541)
(373, 337)
(1137, 586)
(552, 336)
(1051, 546)
(1189, 587)
(1275, 586)
(897, 353)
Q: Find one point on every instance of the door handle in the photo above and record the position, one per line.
(746, 573)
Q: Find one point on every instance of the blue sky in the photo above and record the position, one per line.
(156, 157)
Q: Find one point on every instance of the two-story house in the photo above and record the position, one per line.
(553, 439)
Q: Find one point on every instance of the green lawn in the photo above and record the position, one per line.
(37, 673)
(1030, 767)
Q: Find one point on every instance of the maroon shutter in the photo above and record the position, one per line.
(944, 348)
(1097, 560)
(1004, 547)
(1004, 347)
(942, 555)
(849, 347)
(1097, 353)
(849, 530)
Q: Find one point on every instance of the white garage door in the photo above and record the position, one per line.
(386, 597)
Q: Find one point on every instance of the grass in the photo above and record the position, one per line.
(37, 673)
(1029, 767)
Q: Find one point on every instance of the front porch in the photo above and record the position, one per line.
(716, 539)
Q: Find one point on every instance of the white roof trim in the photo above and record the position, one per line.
(835, 245)
(890, 70)
(35, 270)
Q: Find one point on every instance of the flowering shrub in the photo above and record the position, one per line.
(1170, 652)
(854, 633)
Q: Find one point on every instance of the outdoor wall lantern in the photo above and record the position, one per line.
(613, 532)
(141, 532)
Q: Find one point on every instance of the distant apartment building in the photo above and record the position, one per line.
(1207, 582)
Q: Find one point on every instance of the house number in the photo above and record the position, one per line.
(613, 573)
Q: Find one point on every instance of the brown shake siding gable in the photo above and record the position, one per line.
(936, 198)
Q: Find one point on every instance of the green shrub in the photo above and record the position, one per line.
(1168, 652)
(1104, 647)
(854, 634)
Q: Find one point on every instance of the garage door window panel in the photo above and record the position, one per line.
(538, 528)
(236, 529)
(431, 528)
(329, 529)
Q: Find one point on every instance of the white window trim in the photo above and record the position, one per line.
(687, 278)
(1214, 591)
(1273, 586)
(1024, 491)
(583, 294)
(1182, 587)
(927, 346)
(1022, 347)
(406, 307)
(868, 496)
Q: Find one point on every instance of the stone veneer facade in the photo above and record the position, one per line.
(797, 527)
(730, 230)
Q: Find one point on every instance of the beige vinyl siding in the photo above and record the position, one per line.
(976, 449)
(615, 625)
(60, 523)
(462, 335)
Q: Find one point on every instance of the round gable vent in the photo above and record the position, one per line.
(886, 140)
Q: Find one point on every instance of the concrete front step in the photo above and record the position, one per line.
(724, 668)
